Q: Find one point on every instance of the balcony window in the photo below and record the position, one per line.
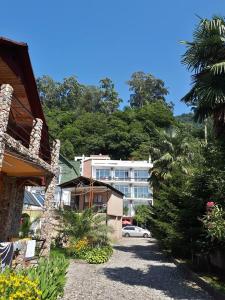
(99, 205)
(141, 175)
(125, 189)
(121, 175)
(103, 174)
(98, 199)
(141, 192)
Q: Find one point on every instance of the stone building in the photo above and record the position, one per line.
(28, 155)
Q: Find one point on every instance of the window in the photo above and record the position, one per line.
(98, 199)
(141, 192)
(141, 175)
(99, 206)
(125, 189)
(121, 174)
(129, 228)
(103, 174)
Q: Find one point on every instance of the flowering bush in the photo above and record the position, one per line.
(81, 249)
(214, 222)
(210, 204)
(18, 287)
(81, 244)
(78, 249)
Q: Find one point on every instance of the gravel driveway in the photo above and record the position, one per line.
(137, 270)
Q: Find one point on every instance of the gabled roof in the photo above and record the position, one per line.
(85, 181)
(16, 70)
(16, 55)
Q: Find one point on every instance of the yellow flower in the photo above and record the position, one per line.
(18, 287)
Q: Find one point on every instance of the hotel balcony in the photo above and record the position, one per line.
(122, 179)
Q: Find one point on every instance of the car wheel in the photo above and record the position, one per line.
(145, 235)
(126, 235)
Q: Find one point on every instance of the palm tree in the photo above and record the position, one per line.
(176, 152)
(86, 224)
(206, 57)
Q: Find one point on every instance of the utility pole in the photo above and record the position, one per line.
(90, 204)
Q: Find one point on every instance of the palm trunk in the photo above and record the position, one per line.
(206, 132)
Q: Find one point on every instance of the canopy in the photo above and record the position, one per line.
(126, 222)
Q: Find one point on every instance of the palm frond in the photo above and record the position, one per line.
(218, 68)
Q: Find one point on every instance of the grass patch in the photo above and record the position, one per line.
(59, 252)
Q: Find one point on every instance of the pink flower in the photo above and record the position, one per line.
(210, 204)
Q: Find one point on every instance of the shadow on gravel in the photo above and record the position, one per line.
(164, 278)
(148, 252)
(160, 274)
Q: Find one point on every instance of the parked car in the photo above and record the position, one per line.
(135, 231)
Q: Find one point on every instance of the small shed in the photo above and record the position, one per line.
(102, 197)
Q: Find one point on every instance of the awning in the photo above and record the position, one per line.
(126, 222)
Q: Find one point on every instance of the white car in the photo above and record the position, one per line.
(135, 231)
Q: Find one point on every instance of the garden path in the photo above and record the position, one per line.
(137, 270)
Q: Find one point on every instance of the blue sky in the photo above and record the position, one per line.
(93, 39)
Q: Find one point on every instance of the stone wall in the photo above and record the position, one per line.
(5, 103)
(11, 204)
(17, 208)
(12, 188)
(35, 137)
(47, 228)
(115, 223)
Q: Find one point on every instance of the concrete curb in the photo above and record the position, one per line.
(184, 268)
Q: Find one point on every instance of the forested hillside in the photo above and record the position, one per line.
(90, 120)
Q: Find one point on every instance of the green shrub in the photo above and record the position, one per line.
(25, 226)
(108, 249)
(81, 249)
(98, 255)
(50, 274)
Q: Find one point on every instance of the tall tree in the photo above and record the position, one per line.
(70, 93)
(110, 99)
(146, 89)
(48, 91)
(205, 56)
(62, 95)
(90, 100)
